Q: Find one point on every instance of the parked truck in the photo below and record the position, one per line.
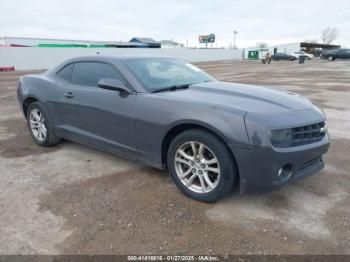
(333, 54)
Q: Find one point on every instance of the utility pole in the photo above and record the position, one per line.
(234, 38)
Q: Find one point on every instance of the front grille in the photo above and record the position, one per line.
(308, 134)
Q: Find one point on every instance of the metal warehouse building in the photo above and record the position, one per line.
(47, 42)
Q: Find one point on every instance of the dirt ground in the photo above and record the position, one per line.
(71, 199)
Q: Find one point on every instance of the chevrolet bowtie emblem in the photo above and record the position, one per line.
(324, 129)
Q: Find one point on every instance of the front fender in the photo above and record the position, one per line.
(230, 128)
(157, 116)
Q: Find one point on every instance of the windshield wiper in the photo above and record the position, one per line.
(171, 88)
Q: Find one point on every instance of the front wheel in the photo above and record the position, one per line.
(330, 58)
(201, 165)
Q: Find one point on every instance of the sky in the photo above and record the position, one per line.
(268, 21)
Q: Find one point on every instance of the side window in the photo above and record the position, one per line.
(89, 73)
(66, 72)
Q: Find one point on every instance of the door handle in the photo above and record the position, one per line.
(69, 95)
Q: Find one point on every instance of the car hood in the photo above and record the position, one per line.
(248, 98)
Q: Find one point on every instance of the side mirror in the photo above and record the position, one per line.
(113, 84)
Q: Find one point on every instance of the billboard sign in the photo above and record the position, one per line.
(204, 39)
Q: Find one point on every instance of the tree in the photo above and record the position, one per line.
(329, 34)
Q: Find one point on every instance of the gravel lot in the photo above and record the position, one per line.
(71, 199)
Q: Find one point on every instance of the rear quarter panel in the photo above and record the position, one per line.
(42, 88)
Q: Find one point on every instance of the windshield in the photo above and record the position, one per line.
(160, 73)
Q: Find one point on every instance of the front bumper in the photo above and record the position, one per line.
(259, 166)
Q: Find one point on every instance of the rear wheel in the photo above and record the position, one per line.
(330, 58)
(40, 126)
(201, 165)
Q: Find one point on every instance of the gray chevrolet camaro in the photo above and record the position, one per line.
(171, 115)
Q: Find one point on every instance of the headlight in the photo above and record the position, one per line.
(280, 137)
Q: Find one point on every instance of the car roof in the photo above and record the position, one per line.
(105, 59)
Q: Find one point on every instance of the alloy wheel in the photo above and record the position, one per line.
(197, 167)
(37, 125)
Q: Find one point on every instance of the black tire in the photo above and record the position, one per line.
(228, 169)
(51, 138)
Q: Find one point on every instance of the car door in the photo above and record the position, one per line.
(98, 116)
(343, 53)
(347, 54)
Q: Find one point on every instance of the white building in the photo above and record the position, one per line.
(282, 48)
(171, 44)
(289, 48)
